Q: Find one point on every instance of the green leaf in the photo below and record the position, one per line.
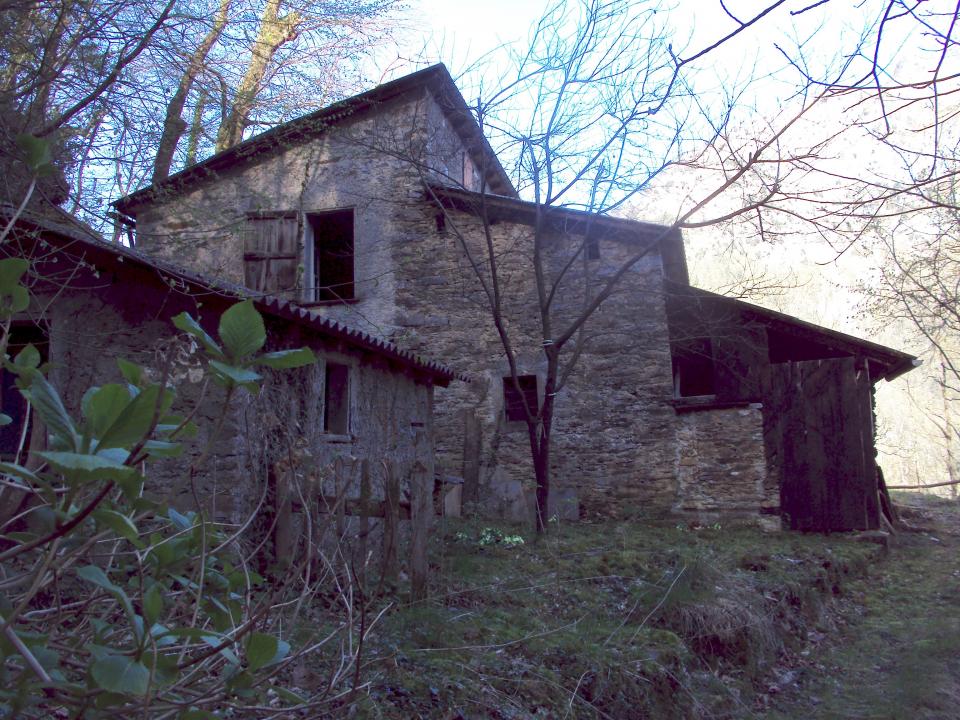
(119, 523)
(290, 696)
(96, 575)
(187, 324)
(233, 374)
(87, 468)
(182, 522)
(29, 357)
(11, 271)
(134, 422)
(131, 372)
(152, 605)
(36, 153)
(48, 405)
(286, 359)
(261, 649)
(225, 652)
(160, 448)
(194, 714)
(120, 674)
(20, 472)
(102, 406)
(242, 330)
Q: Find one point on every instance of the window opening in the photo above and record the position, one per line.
(331, 274)
(11, 401)
(592, 248)
(336, 406)
(693, 368)
(513, 401)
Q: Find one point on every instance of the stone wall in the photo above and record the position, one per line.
(720, 465)
(616, 432)
(278, 431)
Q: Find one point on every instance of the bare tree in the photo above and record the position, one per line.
(594, 109)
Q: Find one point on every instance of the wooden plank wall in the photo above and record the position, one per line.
(822, 424)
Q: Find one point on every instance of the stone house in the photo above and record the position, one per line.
(372, 212)
(329, 430)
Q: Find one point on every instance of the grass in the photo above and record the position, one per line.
(896, 652)
(641, 619)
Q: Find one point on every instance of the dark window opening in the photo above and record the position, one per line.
(693, 368)
(513, 401)
(336, 406)
(11, 401)
(592, 249)
(332, 255)
(441, 223)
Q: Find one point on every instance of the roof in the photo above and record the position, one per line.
(513, 209)
(435, 78)
(72, 232)
(668, 239)
(886, 362)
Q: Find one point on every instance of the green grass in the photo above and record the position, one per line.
(642, 619)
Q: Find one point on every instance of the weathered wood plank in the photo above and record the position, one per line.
(420, 513)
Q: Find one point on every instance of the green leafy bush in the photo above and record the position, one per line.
(114, 605)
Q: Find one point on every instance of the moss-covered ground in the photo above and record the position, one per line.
(650, 618)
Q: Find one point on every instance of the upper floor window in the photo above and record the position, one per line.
(329, 256)
(271, 252)
(693, 367)
(514, 400)
(310, 258)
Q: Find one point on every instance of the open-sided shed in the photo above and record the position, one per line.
(814, 387)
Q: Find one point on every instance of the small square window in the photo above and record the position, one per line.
(513, 401)
(336, 405)
(693, 367)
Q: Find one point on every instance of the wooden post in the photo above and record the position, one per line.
(364, 522)
(282, 529)
(391, 523)
(420, 512)
(471, 460)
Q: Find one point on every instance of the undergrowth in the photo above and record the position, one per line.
(611, 620)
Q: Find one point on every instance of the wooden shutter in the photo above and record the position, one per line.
(271, 252)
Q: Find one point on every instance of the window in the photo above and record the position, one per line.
(693, 367)
(271, 252)
(329, 261)
(11, 401)
(513, 401)
(336, 405)
(592, 248)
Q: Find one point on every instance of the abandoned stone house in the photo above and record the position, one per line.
(372, 211)
(338, 427)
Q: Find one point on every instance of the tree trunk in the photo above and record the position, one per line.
(196, 129)
(173, 124)
(274, 32)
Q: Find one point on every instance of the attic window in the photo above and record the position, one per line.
(693, 367)
(336, 402)
(513, 401)
(330, 256)
(11, 401)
